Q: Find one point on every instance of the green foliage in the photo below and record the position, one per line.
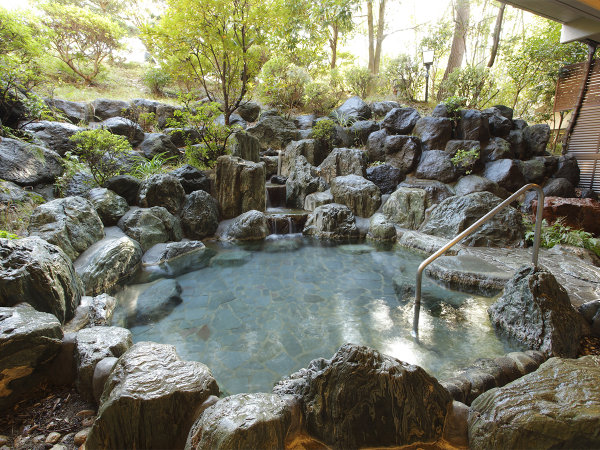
(156, 79)
(466, 159)
(6, 235)
(341, 118)
(216, 44)
(158, 164)
(454, 104)
(473, 83)
(531, 63)
(283, 84)
(359, 80)
(101, 150)
(559, 233)
(320, 97)
(203, 119)
(81, 38)
(406, 77)
(140, 115)
(324, 131)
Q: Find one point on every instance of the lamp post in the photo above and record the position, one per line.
(427, 61)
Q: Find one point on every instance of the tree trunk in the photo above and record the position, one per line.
(380, 36)
(333, 41)
(461, 26)
(371, 36)
(497, 30)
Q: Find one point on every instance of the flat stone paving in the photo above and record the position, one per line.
(580, 278)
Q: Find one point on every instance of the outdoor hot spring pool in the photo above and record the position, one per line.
(258, 312)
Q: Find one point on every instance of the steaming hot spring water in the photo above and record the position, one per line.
(255, 313)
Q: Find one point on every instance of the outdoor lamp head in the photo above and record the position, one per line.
(427, 57)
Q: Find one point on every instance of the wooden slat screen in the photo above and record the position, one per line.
(568, 87)
(585, 139)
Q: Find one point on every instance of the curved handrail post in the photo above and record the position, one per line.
(469, 231)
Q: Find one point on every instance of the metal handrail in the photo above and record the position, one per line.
(470, 230)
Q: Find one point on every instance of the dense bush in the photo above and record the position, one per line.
(324, 131)
(101, 150)
(283, 84)
(156, 79)
(559, 233)
(359, 80)
(405, 75)
(473, 83)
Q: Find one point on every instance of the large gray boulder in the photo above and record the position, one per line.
(331, 221)
(406, 207)
(251, 225)
(157, 143)
(354, 109)
(249, 111)
(472, 125)
(475, 183)
(41, 274)
(105, 108)
(199, 215)
(567, 168)
(380, 109)
(536, 311)
(246, 421)
(150, 399)
(302, 181)
(150, 226)
(192, 179)
(274, 132)
(91, 346)
(71, 223)
(362, 129)
(343, 161)
(312, 201)
(54, 135)
(537, 137)
(435, 191)
(124, 127)
(495, 149)
(554, 407)
(362, 398)
(27, 164)
(400, 120)
(127, 186)
(507, 173)
(164, 190)
(240, 186)
(386, 177)
(456, 214)
(75, 112)
(362, 196)
(173, 259)
(533, 170)
(109, 206)
(499, 124)
(108, 262)
(403, 152)
(311, 149)
(381, 229)
(246, 146)
(376, 146)
(559, 187)
(434, 132)
(436, 165)
(28, 339)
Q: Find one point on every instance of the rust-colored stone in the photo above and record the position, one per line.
(578, 213)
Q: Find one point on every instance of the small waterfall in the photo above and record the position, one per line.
(278, 163)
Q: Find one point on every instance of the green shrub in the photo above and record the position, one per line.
(359, 80)
(453, 105)
(203, 119)
(156, 80)
(466, 159)
(100, 150)
(559, 233)
(146, 168)
(473, 83)
(6, 235)
(319, 97)
(405, 75)
(324, 131)
(283, 84)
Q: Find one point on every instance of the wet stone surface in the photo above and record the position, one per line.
(254, 323)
